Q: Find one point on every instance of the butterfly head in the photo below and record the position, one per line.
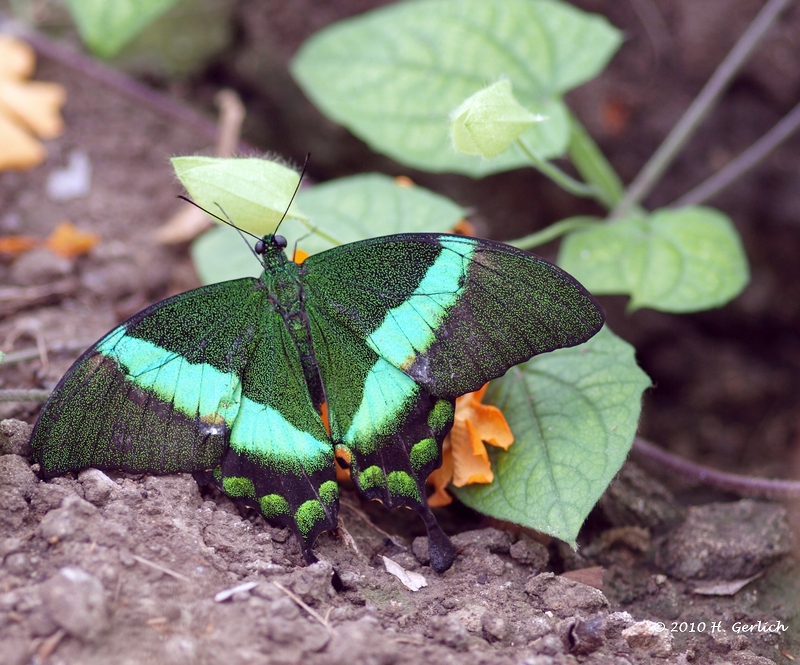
(275, 243)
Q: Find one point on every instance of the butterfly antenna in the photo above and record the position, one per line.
(225, 220)
(296, 189)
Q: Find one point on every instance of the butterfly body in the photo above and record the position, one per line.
(228, 381)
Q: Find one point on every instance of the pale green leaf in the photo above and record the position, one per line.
(394, 75)
(107, 25)
(681, 260)
(344, 211)
(490, 121)
(573, 413)
(253, 193)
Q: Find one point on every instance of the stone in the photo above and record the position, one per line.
(69, 522)
(530, 552)
(98, 488)
(75, 601)
(727, 541)
(650, 637)
(15, 437)
(490, 539)
(564, 597)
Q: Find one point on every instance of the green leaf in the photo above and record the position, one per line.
(253, 193)
(490, 121)
(573, 413)
(682, 260)
(107, 25)
(341, 211)
(394, 75)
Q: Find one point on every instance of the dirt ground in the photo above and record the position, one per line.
(114, 568)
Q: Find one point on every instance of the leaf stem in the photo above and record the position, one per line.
(555, 174)
(554, 231)
(727, 482)
(652, 171)
(744, 162)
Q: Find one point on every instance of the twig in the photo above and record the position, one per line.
(15, 298)
(744, 162)
(728, 482)
(163, 569)
(23, 395)
(111, 78)
(312, 612)
(644, 182)
(359, 513)
(34, 352)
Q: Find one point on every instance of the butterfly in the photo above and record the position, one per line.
(228, 381)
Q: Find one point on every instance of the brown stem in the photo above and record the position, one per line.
(768, 488)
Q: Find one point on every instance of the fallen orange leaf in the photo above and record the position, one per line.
(68, 241)
(16, 245)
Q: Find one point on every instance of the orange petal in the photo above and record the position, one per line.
(18, 149)
(36, 105)
(440, 478)
(16, 245)
(492, 426)
(465, 228)
(300, 256)
(471, 462)
(68, 241)
(404, 181)
(17, 59)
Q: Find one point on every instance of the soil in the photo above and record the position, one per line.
(127, 569)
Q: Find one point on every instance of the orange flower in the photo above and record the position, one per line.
(464, 457)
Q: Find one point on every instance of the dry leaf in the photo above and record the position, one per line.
(25, 108)
(724, 588)
(18, 149)
(17, 59)
(409, 578)
(589, 576)
(16, 245)
(68, 241)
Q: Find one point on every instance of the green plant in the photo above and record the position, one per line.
(477, 88)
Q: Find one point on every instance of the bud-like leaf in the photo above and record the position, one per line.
(253, 193)
(489, 121)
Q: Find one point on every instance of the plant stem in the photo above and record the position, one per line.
(592, 165)
(744, 162)
(555, 174)
(699, 108)
(554, 231)
(727, 482)
(20, 395)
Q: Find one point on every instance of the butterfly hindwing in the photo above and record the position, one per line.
(395, 347)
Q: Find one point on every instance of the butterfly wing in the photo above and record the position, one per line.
(402, 325)
(207, 382)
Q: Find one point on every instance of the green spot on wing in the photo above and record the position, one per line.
(402, 484)
(308, 514)
(237, 486)
(329, 491)
(273, 505)
(441, 415)
(370, 477)
(423, 452)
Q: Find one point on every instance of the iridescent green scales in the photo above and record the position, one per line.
(228, 381)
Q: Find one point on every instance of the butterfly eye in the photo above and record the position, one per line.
(279, 241)
(260, 247)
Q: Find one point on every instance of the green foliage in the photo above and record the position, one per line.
(107, 25)
(573, 413)
(340, 211)
(252, 192)
(394, 75)
(682, 260)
